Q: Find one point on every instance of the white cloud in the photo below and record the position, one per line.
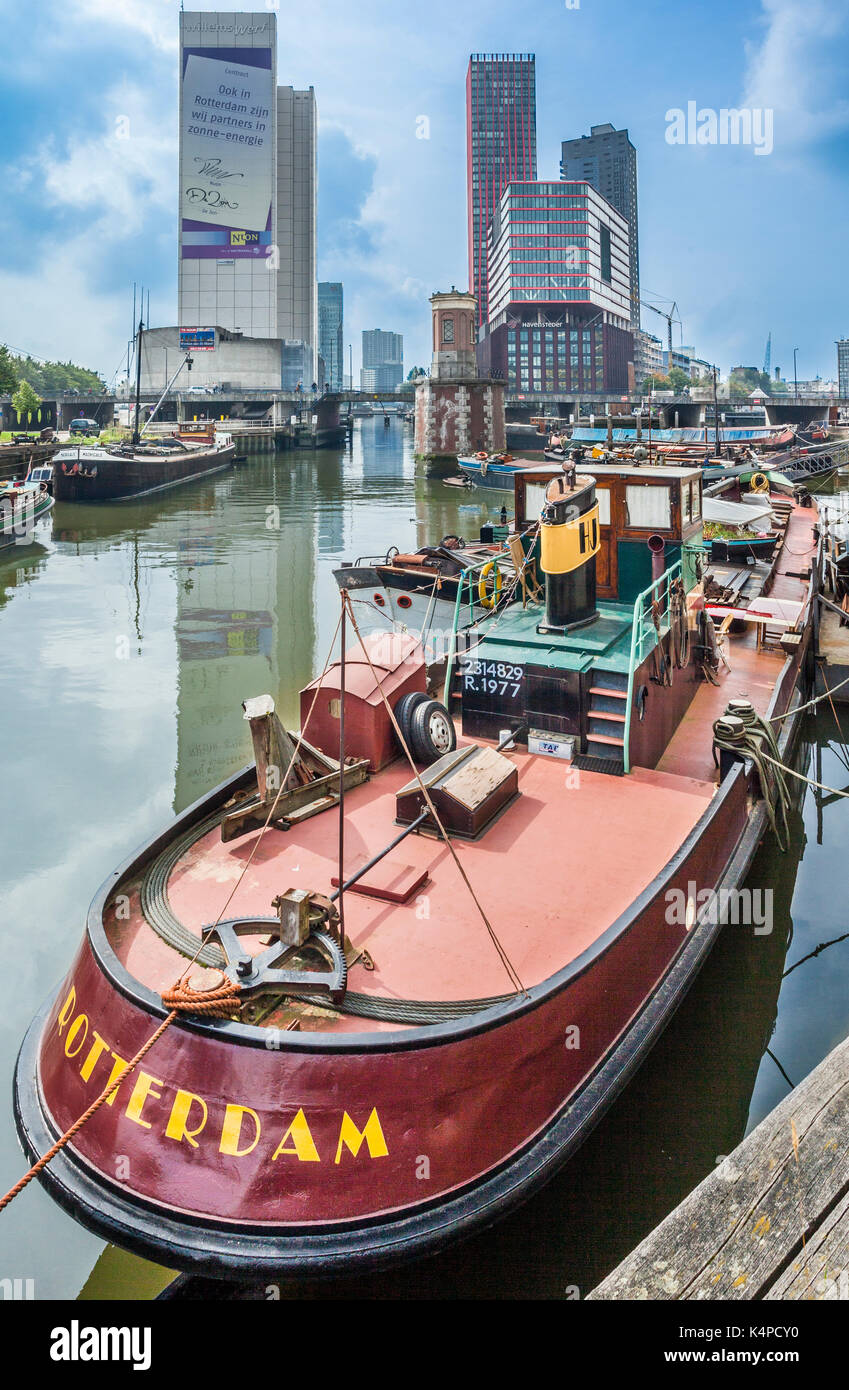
(155, 19)
(791, 71)
(130, 164)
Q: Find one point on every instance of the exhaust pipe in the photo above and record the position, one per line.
(657, 546)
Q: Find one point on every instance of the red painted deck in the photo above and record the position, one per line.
(553, 872)
(753, 674)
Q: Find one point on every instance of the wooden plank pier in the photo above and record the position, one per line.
(771, 1221)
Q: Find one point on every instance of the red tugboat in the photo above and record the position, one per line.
(527, 891)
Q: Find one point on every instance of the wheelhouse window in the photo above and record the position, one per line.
(649, 507)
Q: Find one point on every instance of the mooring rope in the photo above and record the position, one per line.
(742, 731)
(215, 1002)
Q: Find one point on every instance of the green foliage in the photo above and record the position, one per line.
(8, 373)
(744, 380)
(50, 377)
(678, 380)
(25, 402)
(657, 383)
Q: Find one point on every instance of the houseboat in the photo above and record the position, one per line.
(410, 954)
(21, 506)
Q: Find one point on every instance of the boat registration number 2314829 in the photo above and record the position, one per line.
(499, 679)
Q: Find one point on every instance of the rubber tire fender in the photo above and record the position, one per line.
(403, 712)
(425, 748)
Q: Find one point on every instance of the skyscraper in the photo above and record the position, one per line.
(331, 341)
(383, 360)
(297, 291)
(559, 291)
(247, 257)
(607, 159)
(501, 145)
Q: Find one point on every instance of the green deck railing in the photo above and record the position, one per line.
(473, 572)
(644, 636)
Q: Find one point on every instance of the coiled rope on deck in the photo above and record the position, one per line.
(217, 1002)
(742, 731)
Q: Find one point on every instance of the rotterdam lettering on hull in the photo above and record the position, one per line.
(226, 1127)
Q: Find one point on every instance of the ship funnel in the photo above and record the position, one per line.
(569, 542)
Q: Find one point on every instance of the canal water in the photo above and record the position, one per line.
(130, 634)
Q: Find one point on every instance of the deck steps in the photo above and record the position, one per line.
(605, 723)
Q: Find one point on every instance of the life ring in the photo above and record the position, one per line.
(759, 483)
(487, 599)
(480, 454)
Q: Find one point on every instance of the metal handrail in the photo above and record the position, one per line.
(452, 649)
(639, 631)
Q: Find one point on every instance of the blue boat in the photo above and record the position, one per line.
(494, 471)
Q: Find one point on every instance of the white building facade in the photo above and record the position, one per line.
(247, 213)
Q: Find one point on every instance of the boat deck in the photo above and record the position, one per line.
(436, 946)
(617, 832)
(753, 673)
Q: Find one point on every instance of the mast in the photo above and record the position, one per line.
(138, 382)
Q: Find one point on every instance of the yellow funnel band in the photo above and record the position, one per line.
(566, 547)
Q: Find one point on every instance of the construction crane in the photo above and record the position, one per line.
(670, 319)
(768, 354)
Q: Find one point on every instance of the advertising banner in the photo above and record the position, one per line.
(226, 167)
(197, 339)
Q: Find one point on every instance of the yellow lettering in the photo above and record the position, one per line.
(352, 1138)
(99, 1046)
(119, 1066)
(143, 1088)
(81, 1021)
(67, 1010)
(177, 1127)
(302, 1141)
(231, 1130)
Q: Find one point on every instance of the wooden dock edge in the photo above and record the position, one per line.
(771, 1221)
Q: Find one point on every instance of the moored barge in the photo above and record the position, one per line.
(117, 472)
(530, 879)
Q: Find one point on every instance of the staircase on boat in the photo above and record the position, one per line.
(605, 723)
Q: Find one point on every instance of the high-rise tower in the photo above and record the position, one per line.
(607, 159)
(501, 145)
(247, 244)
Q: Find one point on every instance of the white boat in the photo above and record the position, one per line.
(21, 506)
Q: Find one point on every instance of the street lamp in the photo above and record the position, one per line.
(795, 380)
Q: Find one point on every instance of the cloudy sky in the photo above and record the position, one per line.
(745, 243)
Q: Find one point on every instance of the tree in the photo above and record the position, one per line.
(678, 380)
(657, 383)
(25, 402)
(744, 380)
(47, 377)
(8, 374)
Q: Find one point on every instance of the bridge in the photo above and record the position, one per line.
(57, 410)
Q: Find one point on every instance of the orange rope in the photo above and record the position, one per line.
(217, 1002)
